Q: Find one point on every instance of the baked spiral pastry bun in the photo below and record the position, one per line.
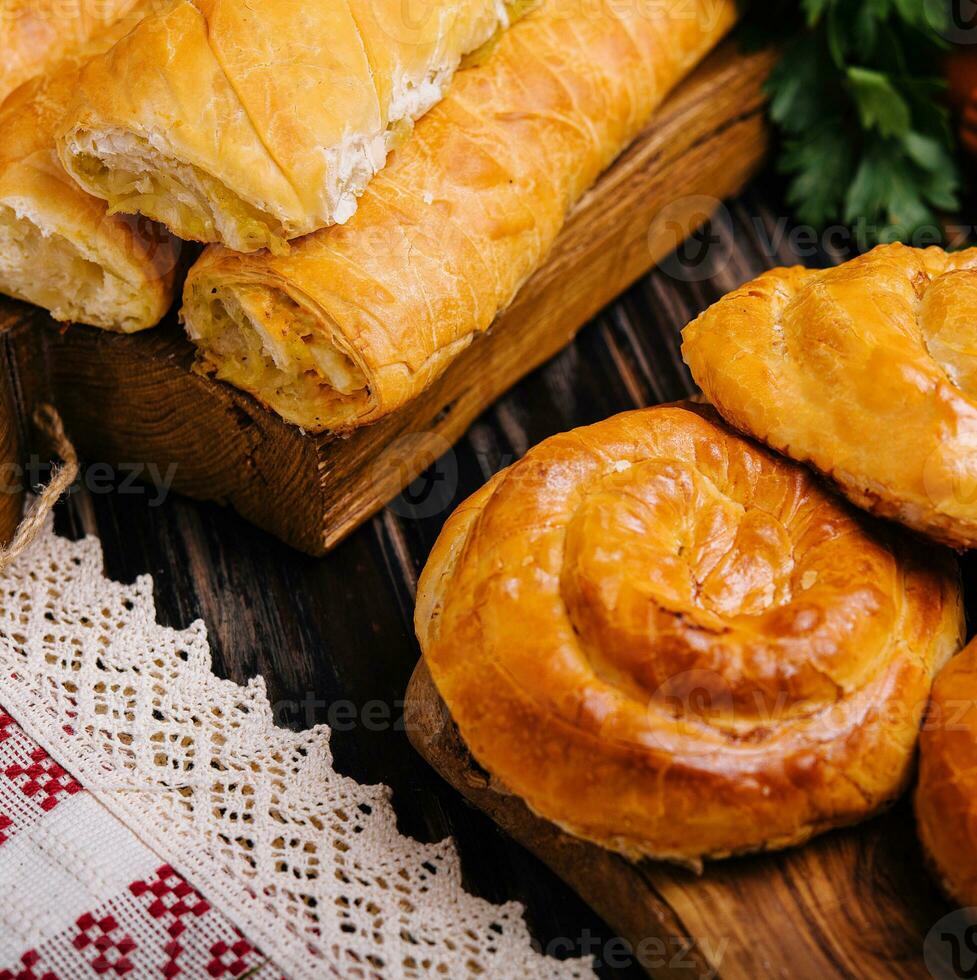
(946, 794)
(867, 371)
(674, 644)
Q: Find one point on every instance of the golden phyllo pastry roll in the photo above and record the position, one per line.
(946, 795)
(358, 319)
(36, 34)
(253, 123)
(867, 371)
(60, 247)
(675, 644)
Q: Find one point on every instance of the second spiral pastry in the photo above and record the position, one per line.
(675, 644)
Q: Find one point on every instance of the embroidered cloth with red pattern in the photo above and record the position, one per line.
(92, 899)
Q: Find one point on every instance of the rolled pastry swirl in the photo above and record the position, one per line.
(946, 794)
(36, 34)
(253, 123)
(674, 644)
(60, 247)
(867, 371)
(358, 319)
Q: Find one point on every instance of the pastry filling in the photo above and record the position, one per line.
(262, 341)
(49, 270)
(134, 176)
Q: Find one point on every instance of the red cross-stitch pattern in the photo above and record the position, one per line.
(6, 724)
(45, 780)
(6, 730)
(230, 960)
(172, 900)
(28, 972)
(159, 927)
(110, 944)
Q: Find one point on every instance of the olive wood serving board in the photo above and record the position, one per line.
(134, 400)
(852, 903)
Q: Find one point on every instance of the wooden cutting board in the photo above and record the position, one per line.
(133, 400)
(853, 903)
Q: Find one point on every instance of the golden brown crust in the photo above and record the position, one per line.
(59, 247)
(866, 371)
(251, 124)
(672, 643)
(946, 795)
(36, 34)
(465, 211)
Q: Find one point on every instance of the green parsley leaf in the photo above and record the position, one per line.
(856, 99)
(878, 102)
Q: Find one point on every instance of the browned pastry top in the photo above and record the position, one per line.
(36, 34)
(359, 318)
(868, 371)
(673, 643)
(946, 796)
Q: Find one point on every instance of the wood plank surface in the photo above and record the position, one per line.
(12, 442)
(126, 398)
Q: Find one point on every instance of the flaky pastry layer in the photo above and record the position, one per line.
(674, 644)
(867, 371)
(36, 34)
(461, 216)
(74, 282)
(60, 248)
(946, 793)
(252, 124)
(262, 339)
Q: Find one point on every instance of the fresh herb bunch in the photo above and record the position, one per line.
(857, 97)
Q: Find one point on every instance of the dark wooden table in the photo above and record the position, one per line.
(333, 637)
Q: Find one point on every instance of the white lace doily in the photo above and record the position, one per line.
(305, 861)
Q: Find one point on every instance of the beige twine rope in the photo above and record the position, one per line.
(47, 419)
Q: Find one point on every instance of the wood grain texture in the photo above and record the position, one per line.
(14, 426)
(851, 903)
(133, 399)
(12, 486)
